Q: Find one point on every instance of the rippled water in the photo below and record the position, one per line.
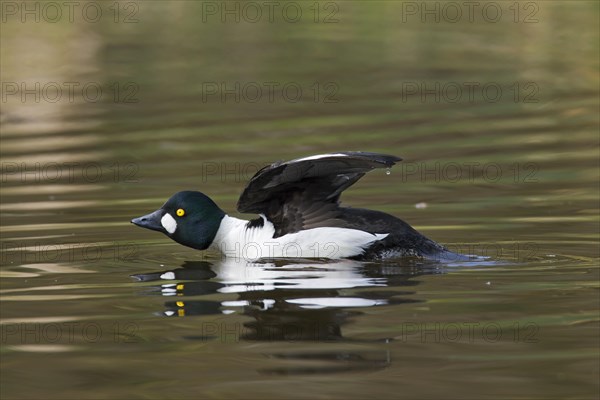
(93, 307)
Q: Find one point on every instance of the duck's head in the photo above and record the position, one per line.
(190, 218)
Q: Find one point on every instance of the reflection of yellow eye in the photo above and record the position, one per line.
(180, 212)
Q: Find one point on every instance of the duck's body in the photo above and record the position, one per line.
(256, 239)
(300, 216)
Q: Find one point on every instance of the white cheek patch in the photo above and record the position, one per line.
(169, 223)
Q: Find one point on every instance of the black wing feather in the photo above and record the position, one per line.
(304, 193)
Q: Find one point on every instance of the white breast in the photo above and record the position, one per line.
(235, 240)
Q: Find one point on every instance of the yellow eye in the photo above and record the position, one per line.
(180, 212)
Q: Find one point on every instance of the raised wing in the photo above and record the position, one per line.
(304, 193)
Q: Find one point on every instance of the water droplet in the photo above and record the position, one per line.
(388, 171)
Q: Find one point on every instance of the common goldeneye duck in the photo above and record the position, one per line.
(300, 215)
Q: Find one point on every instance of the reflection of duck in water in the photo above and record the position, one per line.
(290, 303)
(287, 301)
(300, 216)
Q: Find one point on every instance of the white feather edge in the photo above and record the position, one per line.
(318, 156)
(235, 239)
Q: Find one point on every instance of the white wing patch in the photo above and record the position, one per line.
(318, 156)
(235, 240)
(168, 223)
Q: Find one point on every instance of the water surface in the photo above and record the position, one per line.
(93, 307)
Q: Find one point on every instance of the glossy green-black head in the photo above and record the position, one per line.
(190, 218)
